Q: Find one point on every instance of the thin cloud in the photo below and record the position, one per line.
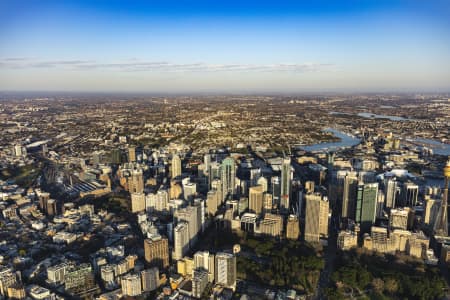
(160, 66)
(26, 63)
(16, 59)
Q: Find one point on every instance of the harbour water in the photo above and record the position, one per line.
(375, 116)
(346, 141)
(438, 147)
(369, 115)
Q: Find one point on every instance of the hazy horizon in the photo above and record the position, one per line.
(312, 93)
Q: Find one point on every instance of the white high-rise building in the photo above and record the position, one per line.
(131, 285)
(190, 215)
(205, 260)
(137, 202)
(286, 177)
(181, 240)
(107, 274)
(255, 174)
(391, 190)
(410, 193)
(136, 181)
(380, 205)
(207, 162)
(225, 269)
(56, 274)
(199, 282)
(200, 205)
(158, 202)
(176, 166)
(189, 190)
(8, 278)
(216, 184)
(262, 181)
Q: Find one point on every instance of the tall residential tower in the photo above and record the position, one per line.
(441, 226)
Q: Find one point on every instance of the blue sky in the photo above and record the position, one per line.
(225, 46)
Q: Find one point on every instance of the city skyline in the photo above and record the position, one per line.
(232, 150)
(224, 197)
(262, 47)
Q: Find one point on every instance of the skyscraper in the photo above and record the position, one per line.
(136, 181)
(207, 162)
(441, 225)
(181, 240)
(189, 190)
(366, 203)
(390, 191)
(176, 166)
(431, 211)
(316, 217)
(256, 199)
(347, 240)
(276, 190)
(137, 202)
(292, 228)
(255, 174)
(116, 156)
(205, 260)
(228, 176)
(8, 278)
(199, 203)
(107, 275)
(262, 181)
(286, 177)
(176, 191)
(410, 192)
(57, 274)
(226, 269)
(271, 225)
(267, 202)
(398, 219)
(131, 285)
(349, 196)
(216, 184)
(158, 202)
(157, 252)
(199, 282)
(190, 215)
(336, 187)
(131, 154)
(213, 172)
(79, 279)
(212, 202)
(379, 238)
